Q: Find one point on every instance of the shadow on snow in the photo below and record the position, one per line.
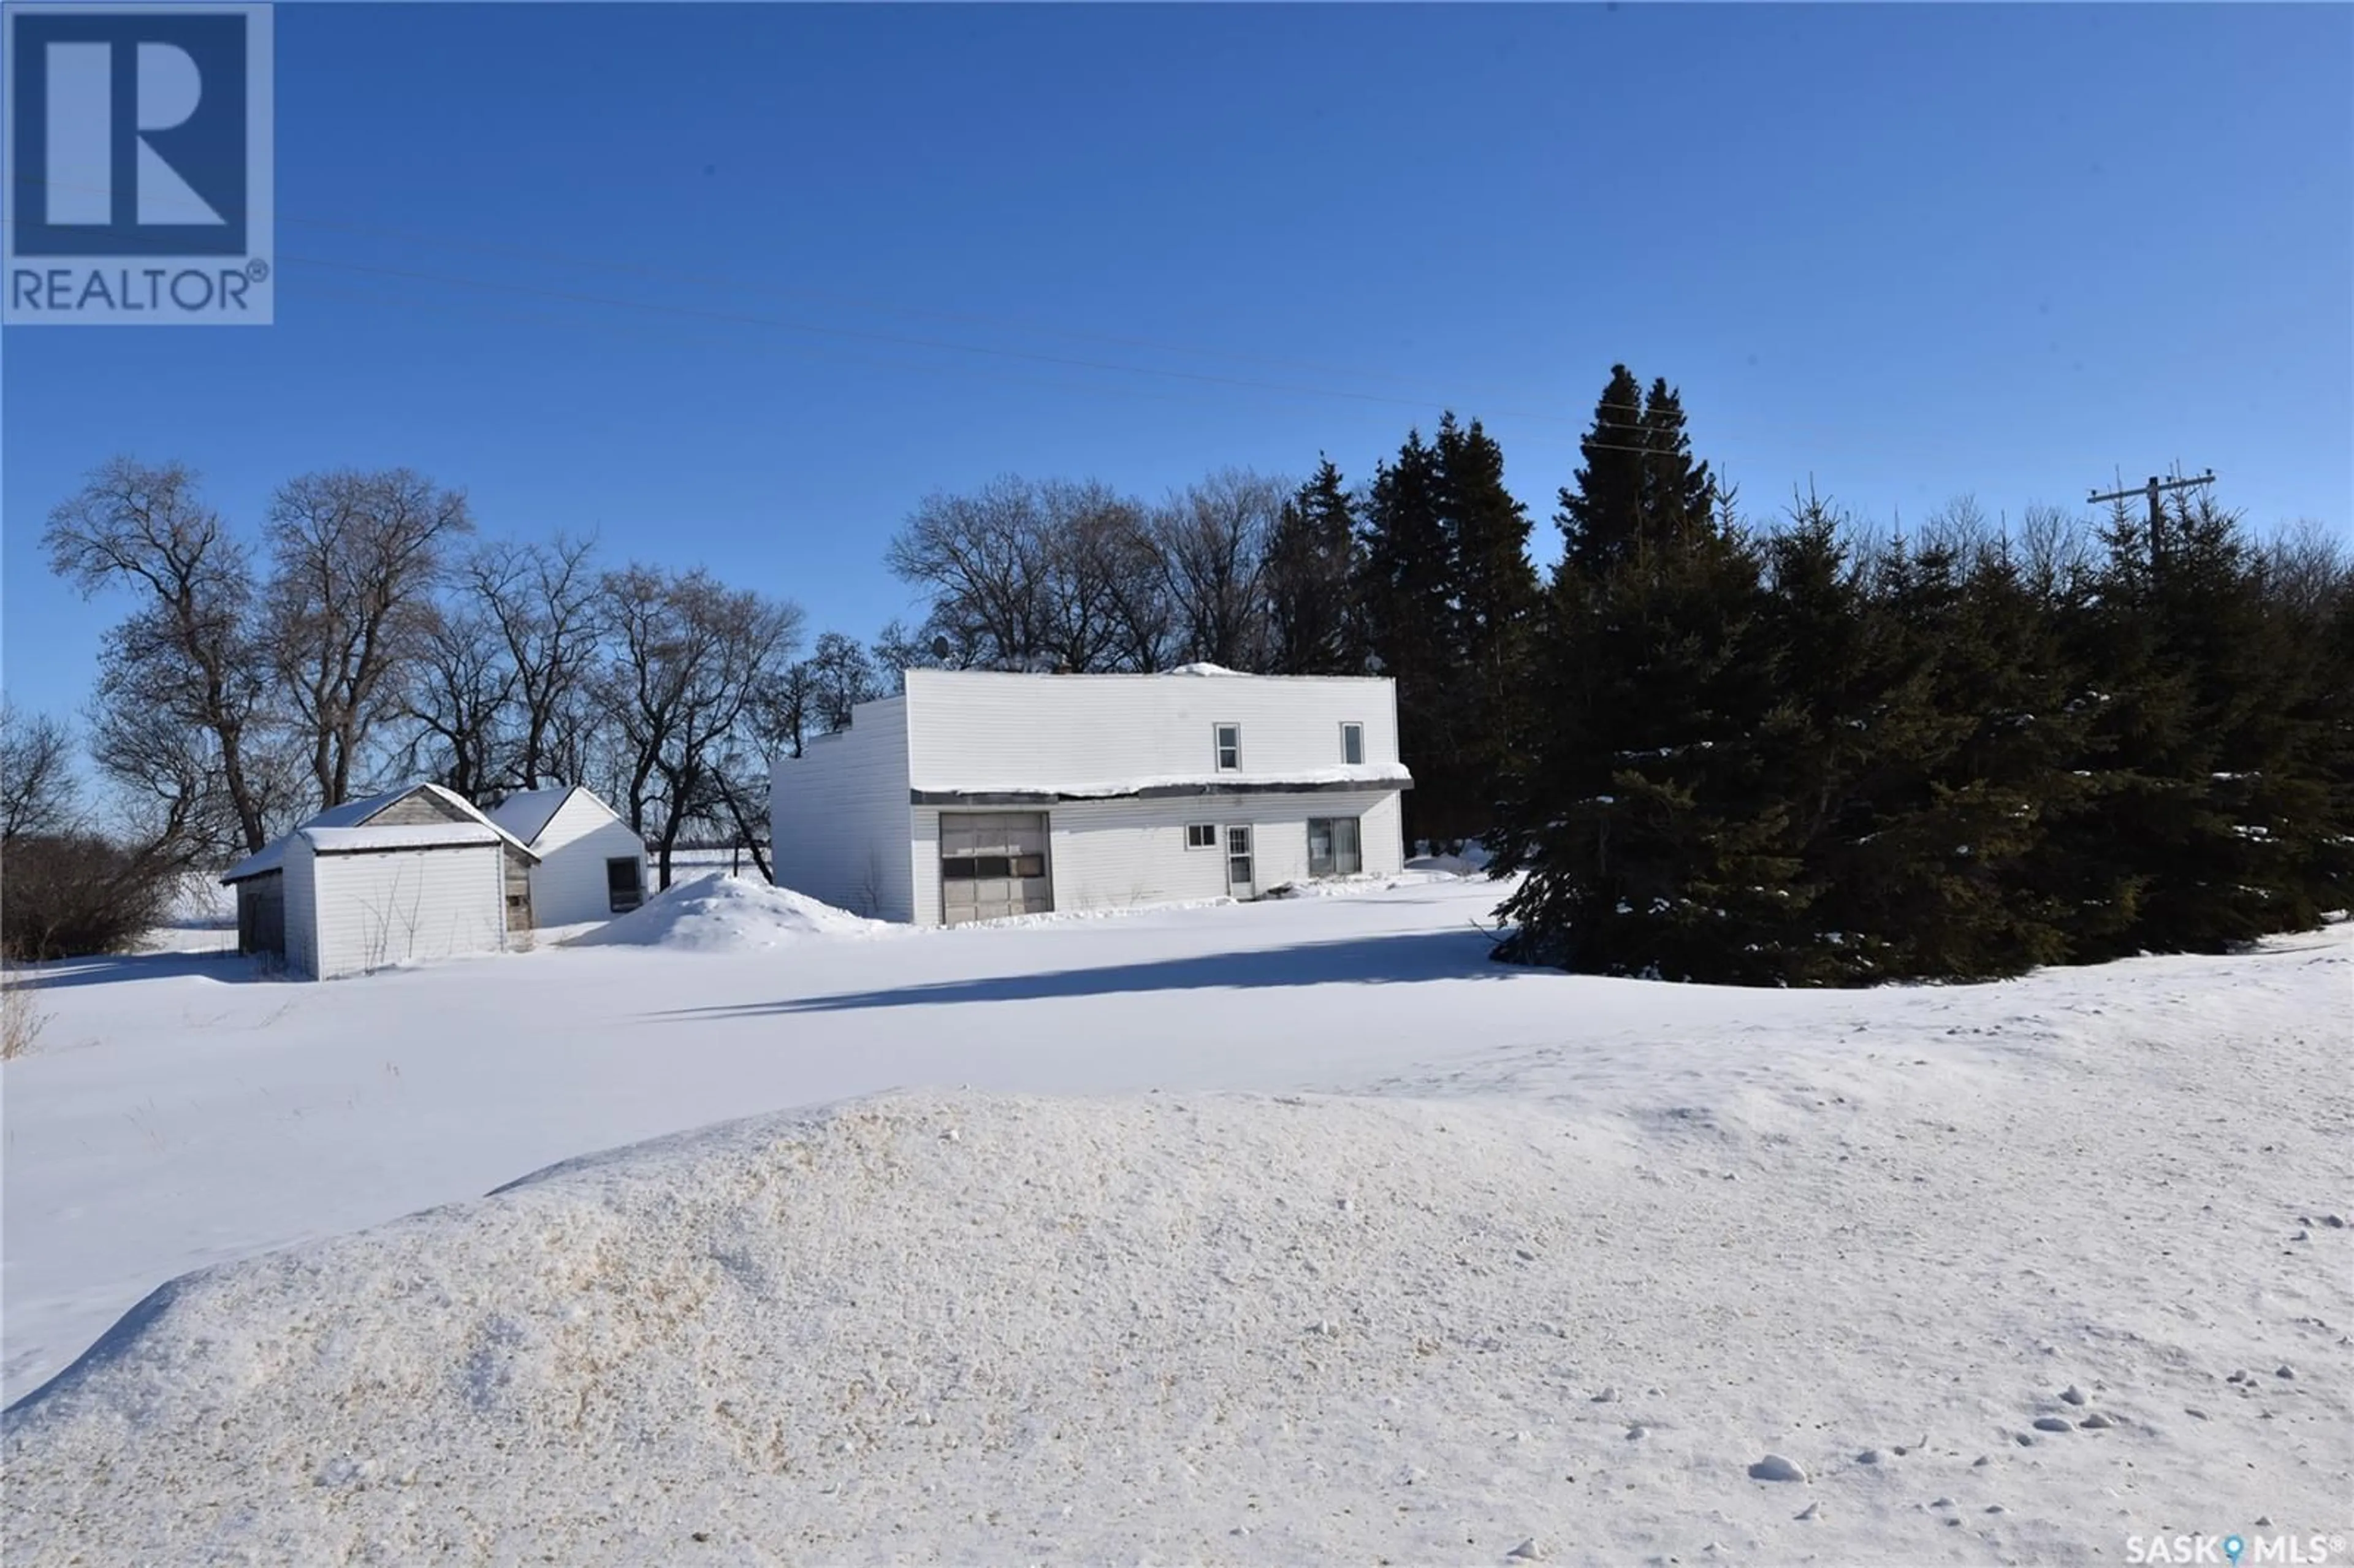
(107, 968)
(1370, 960)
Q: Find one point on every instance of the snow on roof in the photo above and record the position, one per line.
(272, 856)
(268, 857)
(526, 815)
(927, 676)
(1372, 775)
(400, 835)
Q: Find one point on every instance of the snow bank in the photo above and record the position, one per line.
(723, 914)
(1470, 860)
(1176, 1328)
(1417, 874)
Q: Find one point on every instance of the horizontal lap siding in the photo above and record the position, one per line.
(386, 908)
(980, 731)
(569, 885)
(839, 820)
(1112, 854)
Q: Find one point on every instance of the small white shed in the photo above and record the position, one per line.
(415, 874)
(360, 899)
(592, 865)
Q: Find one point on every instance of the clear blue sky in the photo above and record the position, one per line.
(1910, 251)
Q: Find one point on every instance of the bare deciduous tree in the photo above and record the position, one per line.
(38, 791)
(1125, 620)
(691, 661)
(1213, 543)
(1028, 575)
(544, 600)
(187, 658)
(459, 695)
(781, 718)
(357, 558)
(841, 676)
(982, 557)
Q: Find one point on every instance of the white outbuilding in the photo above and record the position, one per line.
(418, 872)
(977, 795)
(592, 865)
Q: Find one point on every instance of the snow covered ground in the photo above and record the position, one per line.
(1274, 1233)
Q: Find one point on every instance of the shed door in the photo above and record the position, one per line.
(993, 865)
(518, 885)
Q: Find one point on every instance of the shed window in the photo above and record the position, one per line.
(1353, 743)
(625, 887)
(1230, 748)
(1201, 835)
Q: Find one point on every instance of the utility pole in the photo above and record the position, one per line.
(2155, 489)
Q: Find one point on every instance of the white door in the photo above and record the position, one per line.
(993, 865)
(1242, 879)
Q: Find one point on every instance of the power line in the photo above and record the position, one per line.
(657, 275)
(2155, 490)
(898, 339)
(652, 274)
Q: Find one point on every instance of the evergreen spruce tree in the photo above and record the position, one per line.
(1640, 803)
(1410, 627)
(1951, 741)
(2213, 814)
(1313, 580)
(1802, 759)
(1679, 495)
(1602, 513)
(1493, 594)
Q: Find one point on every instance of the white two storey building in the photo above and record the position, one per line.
(977, 795)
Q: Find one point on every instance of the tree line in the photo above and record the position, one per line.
(363, 634)
(1808, 752)
(1794, 749)
(1787, 749)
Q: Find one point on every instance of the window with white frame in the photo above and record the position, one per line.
(1201, 835)
(1334, 847)
(625, 887)
(1229, 741)
(1353, 743)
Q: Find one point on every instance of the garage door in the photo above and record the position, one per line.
(992, 866)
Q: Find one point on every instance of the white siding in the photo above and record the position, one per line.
(382, 908)
(568, 885)
(1108, 854)
(981, 731)
(302, 909)
(839, 818)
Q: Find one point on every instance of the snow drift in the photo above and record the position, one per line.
(1200, 1328)
(724, 914)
